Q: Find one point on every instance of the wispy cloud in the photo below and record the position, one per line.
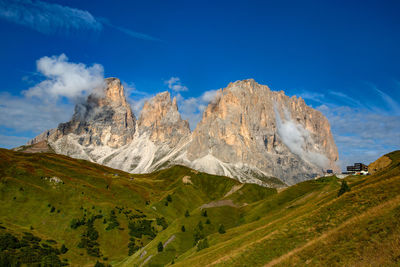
(192, 108)
(47, 17)
(174, 83)
(9, 141)
(23, 114)
(129, 32)
(363, 130)
(389, 101)
(50, 18)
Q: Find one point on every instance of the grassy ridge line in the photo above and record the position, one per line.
(372, 191)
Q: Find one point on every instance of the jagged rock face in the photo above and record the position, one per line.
(248, 132)
(105, 118)
(161, 119)
(249, 125)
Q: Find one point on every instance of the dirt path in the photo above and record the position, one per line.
(169, 241)
(146, 260)
(234, 189)
(219, 203)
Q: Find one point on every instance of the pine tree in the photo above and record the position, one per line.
(344, 188)
(183, 228)
(160, 247)
(205, 213)
(63, 249)
(221, 229)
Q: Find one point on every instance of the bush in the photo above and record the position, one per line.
(112, 221)
(169, 198)
(142, 227)
(161, 221)
(187, 213)
(208, 221)
(344, 188)
(204, 213)
(198, 235)
(160, 247)
(183, 228)
(202, 244)
(200, 225)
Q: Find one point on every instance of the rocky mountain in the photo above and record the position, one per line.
(248, 132)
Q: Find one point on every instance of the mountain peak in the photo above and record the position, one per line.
(161, 118)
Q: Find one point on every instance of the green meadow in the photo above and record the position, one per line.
(58, 211)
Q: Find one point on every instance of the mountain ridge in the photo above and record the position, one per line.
(243, 134)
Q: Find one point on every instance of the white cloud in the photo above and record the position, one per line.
(44, 105)
(66, 79)
(210, 96)
(137, 104)
(174, 83)
(47, 17)
(297, 138)
(192, 108)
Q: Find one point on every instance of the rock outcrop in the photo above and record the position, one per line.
(248, 132)
(161, 119)
(250, 129)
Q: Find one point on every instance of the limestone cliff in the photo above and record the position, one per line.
(161, 119)
(248, 132)
(251, 127)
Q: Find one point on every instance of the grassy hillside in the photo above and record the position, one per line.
(104, 214)
(182, 217)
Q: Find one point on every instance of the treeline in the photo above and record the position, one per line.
(30, 250)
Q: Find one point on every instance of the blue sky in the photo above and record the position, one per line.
(341, 56)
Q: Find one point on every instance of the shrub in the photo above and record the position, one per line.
(204, 213)
(169, 198)
(200, 225)
(142, 227)
(183, 228)
(161, 221)
(187, 213)
(198, 235)
(202, 244)
(208, 221)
